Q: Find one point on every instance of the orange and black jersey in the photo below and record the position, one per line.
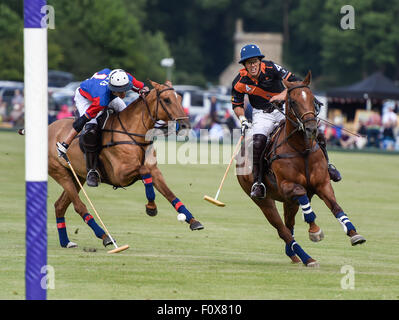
(260, 91)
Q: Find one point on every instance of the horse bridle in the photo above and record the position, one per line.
(133, 135)
(300, 122)
(159, 102)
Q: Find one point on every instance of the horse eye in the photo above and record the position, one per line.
(167, 100)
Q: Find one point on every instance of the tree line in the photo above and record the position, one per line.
(136, 35)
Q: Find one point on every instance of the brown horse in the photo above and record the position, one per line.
(299, 171)
(125, 157)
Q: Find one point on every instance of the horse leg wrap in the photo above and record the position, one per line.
(181, 208)
(296, 248)
(88, 218)
(62, 232)
(288, 251)
(345, 223)
(307, 211)
(149, 187)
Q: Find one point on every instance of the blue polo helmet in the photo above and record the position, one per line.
(250, 51)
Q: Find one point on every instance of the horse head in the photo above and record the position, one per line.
(167, 106)
(301, 107)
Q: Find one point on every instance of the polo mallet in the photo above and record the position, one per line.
(117, 249)
(215, 200)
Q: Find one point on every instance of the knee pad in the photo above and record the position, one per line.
(259, 142)
(90, 137)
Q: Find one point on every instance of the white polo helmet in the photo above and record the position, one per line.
(119, 81)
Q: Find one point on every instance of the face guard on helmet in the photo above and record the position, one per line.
(119, 81)
(250, 51)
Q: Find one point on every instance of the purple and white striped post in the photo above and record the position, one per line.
(36, 122)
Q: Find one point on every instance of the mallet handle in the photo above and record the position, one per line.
(228, 167)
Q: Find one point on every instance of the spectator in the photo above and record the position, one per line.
(389, 122)
(353, 141)
(3, 110)
(213, 115)
(17, 115)
(64, 112)
(332, 136)
(374, 129)
(18, 98)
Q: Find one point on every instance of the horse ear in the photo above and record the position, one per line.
(307, 79)
(154, 84)
(288, 84)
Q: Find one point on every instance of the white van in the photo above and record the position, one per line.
(194, 100)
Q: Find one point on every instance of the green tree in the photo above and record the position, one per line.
(349, 55)
(11, 39)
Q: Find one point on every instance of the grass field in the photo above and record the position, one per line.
(237, 256)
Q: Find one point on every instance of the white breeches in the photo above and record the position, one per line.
(264, 123)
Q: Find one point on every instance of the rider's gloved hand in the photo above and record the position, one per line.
(62, 149)
(143, 91)
(244, 124)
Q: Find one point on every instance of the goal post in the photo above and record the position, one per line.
(36, 149)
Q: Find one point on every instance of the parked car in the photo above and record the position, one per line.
(59, 79)
(194, 100)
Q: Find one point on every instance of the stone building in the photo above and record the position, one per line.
(270, 45)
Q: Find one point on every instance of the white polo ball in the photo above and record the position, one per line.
(181, 217)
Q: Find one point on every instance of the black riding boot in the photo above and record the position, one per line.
(93, 177)
(90, 141)
(332, 170)
(258, 190)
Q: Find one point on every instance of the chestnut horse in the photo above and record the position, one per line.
(125, 157)
(299, 171)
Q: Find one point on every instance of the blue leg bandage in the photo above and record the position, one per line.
(88, 218)
(307, 211)
(345, 222)
(62, 232)
(180, 207)
(149, 188)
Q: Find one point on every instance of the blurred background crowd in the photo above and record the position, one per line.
(355, 71)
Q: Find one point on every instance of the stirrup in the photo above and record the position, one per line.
(260, 184)
(98, 180)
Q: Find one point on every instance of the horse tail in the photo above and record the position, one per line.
(21, 131)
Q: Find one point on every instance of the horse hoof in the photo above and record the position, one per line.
(107, 241)
(72, 245)
(196, 225)
(316, 236)
(313, 264)
(151, 212)
(357, 239)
